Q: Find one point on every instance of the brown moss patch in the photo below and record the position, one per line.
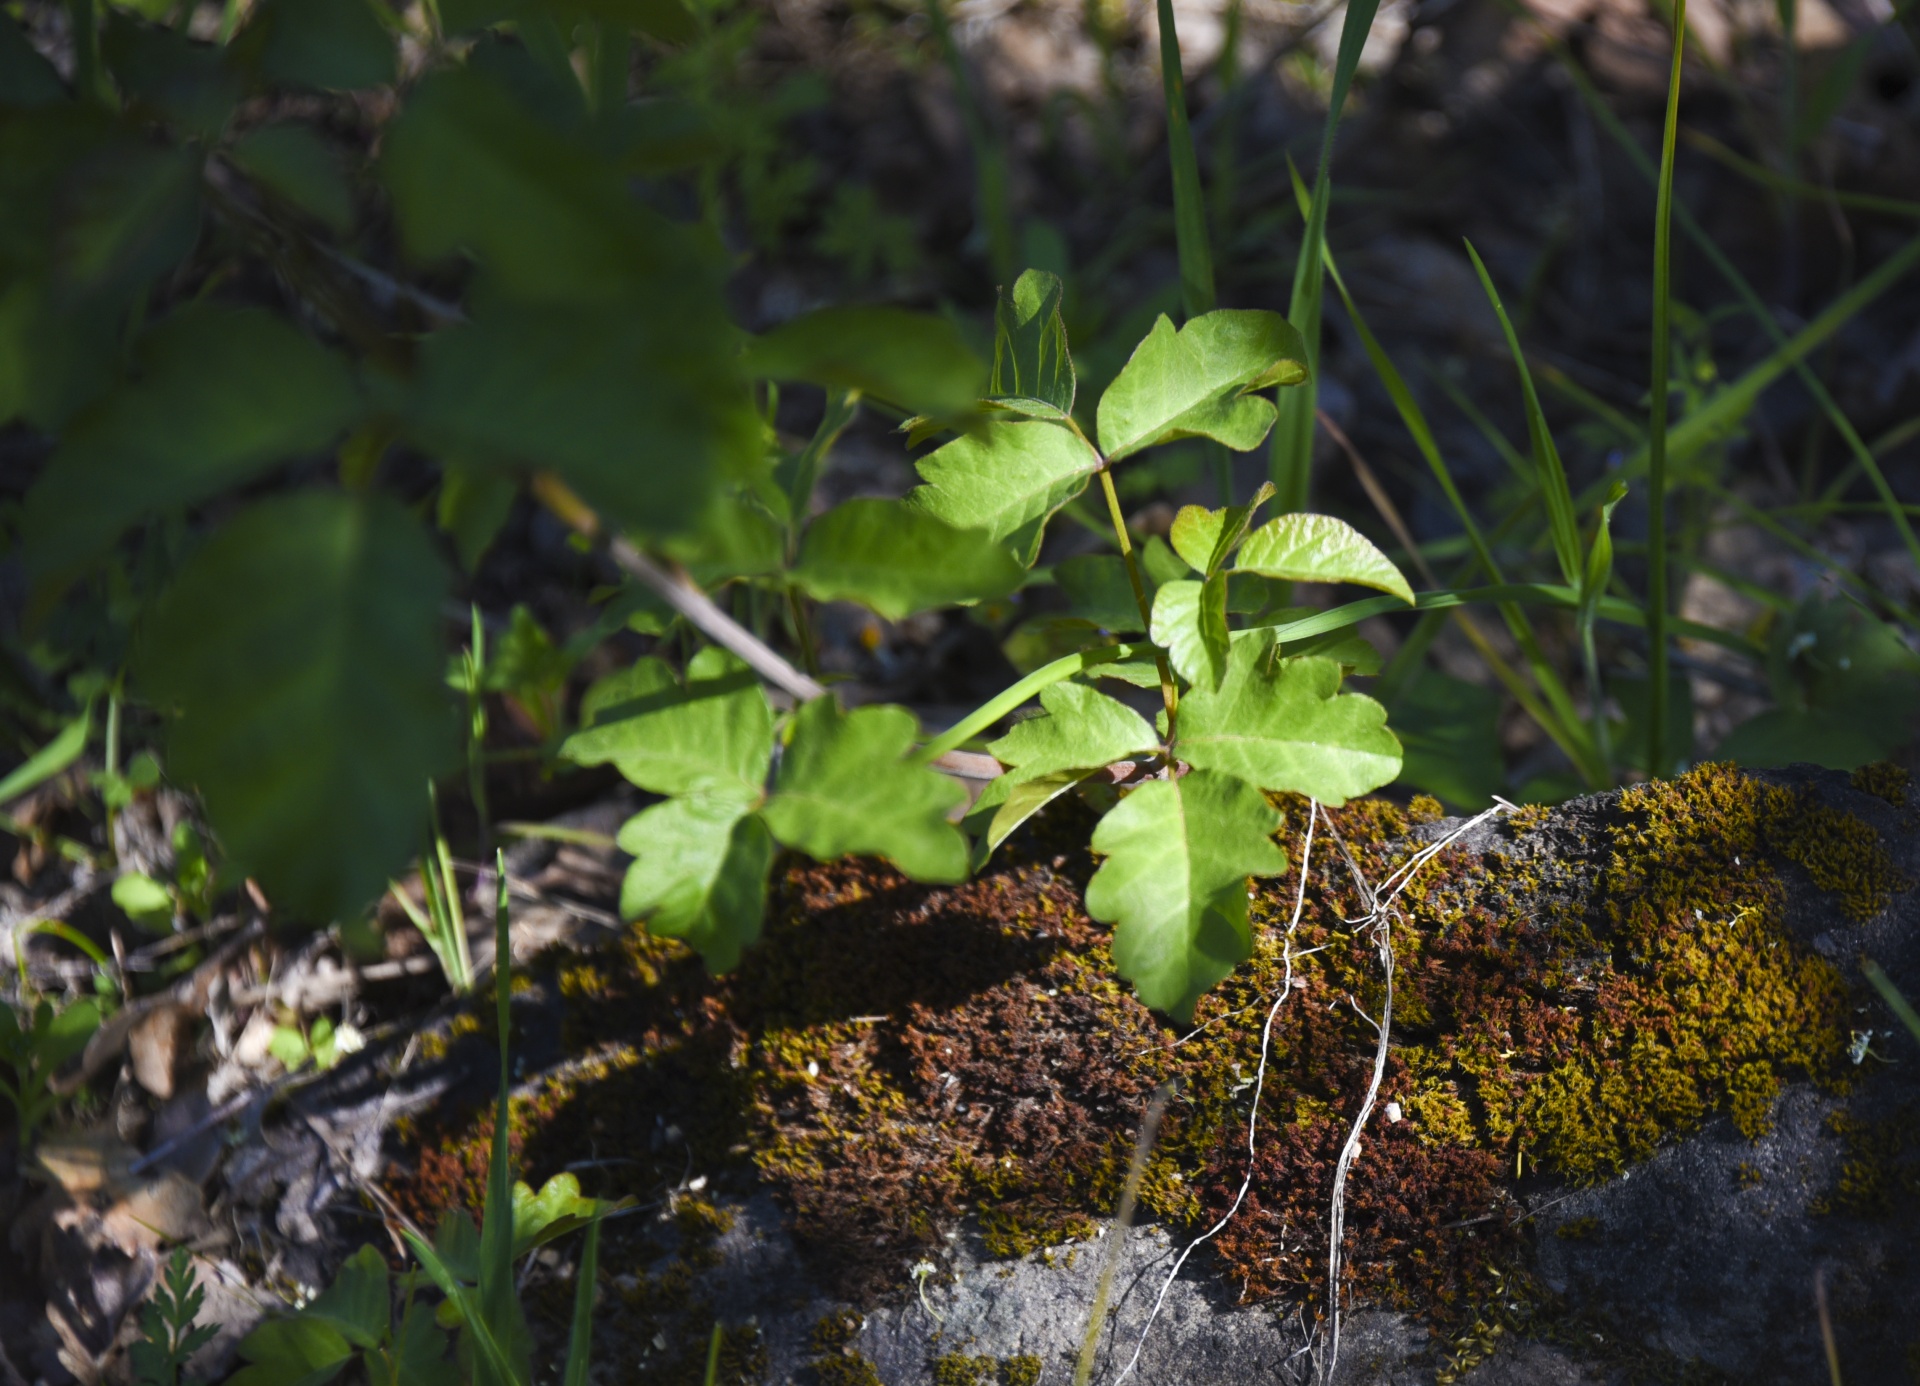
(893, 1058)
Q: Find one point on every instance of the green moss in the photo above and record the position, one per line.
(1577, 1229)
(835, 1360)
(958, 1369)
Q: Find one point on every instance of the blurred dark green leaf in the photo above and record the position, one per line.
(303, 649)
(317, 43)
(223, 394)
(186, 84)
(26, 78)
(294, 163)
(1449, 733)
(915, 360)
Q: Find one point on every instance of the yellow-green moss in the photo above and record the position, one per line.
(958, 1369)
(1885, 780)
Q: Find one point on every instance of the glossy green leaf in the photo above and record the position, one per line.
(715, 732)
(1190, 621)
(318, 43)
(699, 873)
(555, 1210)
(1031, 364)
(295, 164)
(303, 650)
(898, 559)
(1319, 548)
(639, 409)
(222, 396)
(1080, 730)
(1195, 382)
(916, 360)
(845, 787)
(1174, 883)
(1006, 478)
(1284, 724)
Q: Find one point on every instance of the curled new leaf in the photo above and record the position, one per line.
(1032, 370)
(1174, 883)
(1319, 548)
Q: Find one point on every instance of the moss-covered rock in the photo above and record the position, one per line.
(1572, 991)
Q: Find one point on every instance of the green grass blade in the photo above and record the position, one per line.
(496, 1224)
(1785, 353)
(59, 753)
(580, 1337)
(472, 1312)
(712, 1377)
(1660, 391)
(1794, 187)
(1889, 993)
(1290, 459)
(991, 204)
(991, 711)
(1550, 475)
(1189, 206)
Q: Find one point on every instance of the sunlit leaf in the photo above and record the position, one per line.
(715, 730)
(1283, 724)
(1174, 883)
(1006, 478)
(1196, 382)
(699, 872)
(898, 559)
(1031, 364)
(1190, 621)
(845, 787)
(1319, 548)
(1080, 729)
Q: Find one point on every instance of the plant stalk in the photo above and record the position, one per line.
(1168, 694)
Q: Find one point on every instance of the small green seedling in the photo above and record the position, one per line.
(168, 1336)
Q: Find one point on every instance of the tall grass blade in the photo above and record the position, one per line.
(991, 204)
(580, 1336)
(1660, 394)
(1785, 353)
(1889, 993)
(1549, 474)
(1290, 459)
(1189, 206)
(497, 1300)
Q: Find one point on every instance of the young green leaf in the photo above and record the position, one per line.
(898, 559)
(699, 873)
(58, 754)
(556, 1210)
(1006, 803)
(1006, 478)
(714, 734)
(222, 396)
(844, 787)
(1319, 548)
(1097, 590)
(1196, 382)
(1283, 724)
(357, 1303)
(295, 1351)
(1080, 730)
(1207, 538)
(915, 360)
(311, 764)
(1190, 621)
(1174, 883)
(1031, 365)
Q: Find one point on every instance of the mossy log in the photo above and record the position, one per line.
(1635, 1096)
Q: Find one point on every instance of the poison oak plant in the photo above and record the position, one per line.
(1241, 716)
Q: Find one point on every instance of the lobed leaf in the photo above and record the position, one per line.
(1006, 478)
(845, 787)
(1284, 725)
(1195, 382)
(1190, 621)
(1174, 883)
(1081, 730)
(713, 734)
(699, 872)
